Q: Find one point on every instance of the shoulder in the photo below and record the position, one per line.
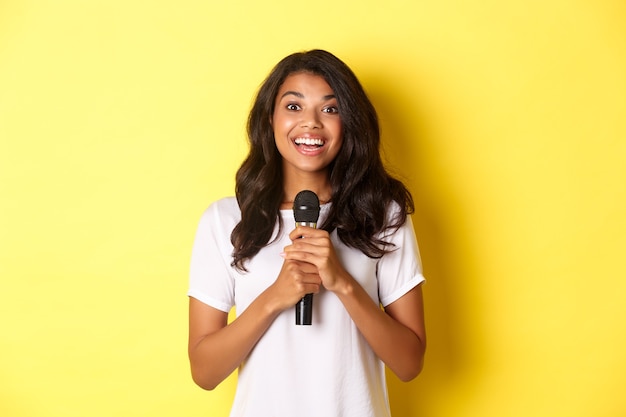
(393, 208)
(225, 206)
(395, 214)
(397, 221)
(222, 213)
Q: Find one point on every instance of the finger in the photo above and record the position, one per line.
(305, 232)
(307, 252)
(302, 271)
(301, 256)
(307, 283)
(310, 244)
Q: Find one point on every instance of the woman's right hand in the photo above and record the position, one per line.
(216, 348)
(295, 280)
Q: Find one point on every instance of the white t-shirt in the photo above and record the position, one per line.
(326, 369)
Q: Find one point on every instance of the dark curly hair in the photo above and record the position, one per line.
(362, 190)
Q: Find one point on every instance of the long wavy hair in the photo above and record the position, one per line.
(362, 189)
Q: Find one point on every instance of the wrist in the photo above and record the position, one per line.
(345, 286)
(270, 305)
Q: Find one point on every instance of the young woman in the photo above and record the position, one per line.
(311, 127)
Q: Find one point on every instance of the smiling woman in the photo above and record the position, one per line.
(307, 130)
(507, 119)
(310, 118)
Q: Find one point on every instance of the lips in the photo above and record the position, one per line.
(309, 146)
(309, 142)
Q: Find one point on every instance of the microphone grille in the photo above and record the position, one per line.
(306, 207)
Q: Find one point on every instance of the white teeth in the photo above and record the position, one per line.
(309, 141)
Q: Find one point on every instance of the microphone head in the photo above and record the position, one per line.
(306, 207)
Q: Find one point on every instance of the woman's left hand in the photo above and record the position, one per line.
(396, 334)
(315, 247)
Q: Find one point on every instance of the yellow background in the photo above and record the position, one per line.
(120, 121)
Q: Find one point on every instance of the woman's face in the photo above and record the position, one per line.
(306, 122)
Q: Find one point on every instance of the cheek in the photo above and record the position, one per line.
(339, 142)
(338, 128)
(339, 132)
(280, 124)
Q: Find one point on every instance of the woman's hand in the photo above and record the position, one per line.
(313, 248)
(396, 334)
(216, 348)
(295, 280)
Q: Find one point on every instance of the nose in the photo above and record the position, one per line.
(310, 119)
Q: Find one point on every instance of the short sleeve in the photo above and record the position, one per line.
(400, 271)
(210, 275)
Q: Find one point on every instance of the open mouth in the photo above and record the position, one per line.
(309, 142)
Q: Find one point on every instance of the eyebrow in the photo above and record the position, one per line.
(300, 95)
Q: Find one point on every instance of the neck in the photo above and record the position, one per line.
(318, 184)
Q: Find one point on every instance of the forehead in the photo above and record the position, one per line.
(306, 83)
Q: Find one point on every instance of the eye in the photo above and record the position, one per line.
(292, 107)
(330, 109)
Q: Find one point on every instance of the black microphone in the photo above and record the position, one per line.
(306, 211)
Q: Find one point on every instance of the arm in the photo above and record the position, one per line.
(397, 335)
(216, 348)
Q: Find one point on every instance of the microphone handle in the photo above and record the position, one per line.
(304, 308)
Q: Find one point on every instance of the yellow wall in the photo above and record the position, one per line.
(121, 120)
